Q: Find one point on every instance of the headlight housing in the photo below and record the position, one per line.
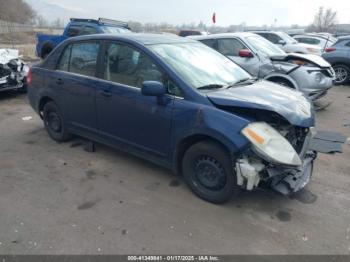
(270, 144)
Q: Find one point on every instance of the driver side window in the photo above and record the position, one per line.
(128, 66)
(273, 38)
(230, 47)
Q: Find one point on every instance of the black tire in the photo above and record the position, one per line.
(209, 172)
(342, 74)
(54, 123)
(46, 50)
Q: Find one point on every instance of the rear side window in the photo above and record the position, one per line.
(80, 58)
(63, 64)
(209, 42)
(128, 66)
(230, 47)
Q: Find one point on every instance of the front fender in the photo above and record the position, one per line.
(196, 119)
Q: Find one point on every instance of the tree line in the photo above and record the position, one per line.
(16, 11)
(19, 11)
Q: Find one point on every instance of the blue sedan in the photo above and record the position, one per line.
(180, 104)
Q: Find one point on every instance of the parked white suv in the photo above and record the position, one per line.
(320, 40)
(288, 43)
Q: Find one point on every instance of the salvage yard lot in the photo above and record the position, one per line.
(60, 199)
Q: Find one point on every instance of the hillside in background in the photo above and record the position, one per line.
(52, 12)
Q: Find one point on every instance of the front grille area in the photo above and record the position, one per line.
(296, 137)
(329, 72)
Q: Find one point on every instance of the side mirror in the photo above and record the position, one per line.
(281, 42)
(152, 88)
(245, 53)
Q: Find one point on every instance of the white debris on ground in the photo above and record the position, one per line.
(305, 238)
(27, 118)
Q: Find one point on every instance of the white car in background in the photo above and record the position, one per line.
(288, 43)
(320, 40)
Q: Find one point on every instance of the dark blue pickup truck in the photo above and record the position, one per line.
(76, 27)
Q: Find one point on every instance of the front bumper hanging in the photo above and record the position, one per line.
(287, 181)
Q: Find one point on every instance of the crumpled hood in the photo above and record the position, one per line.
(265, 95)
(6, 55)
(315, 59)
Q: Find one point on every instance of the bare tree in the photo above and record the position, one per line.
(40, 21)
(16, 11)
(325, 21)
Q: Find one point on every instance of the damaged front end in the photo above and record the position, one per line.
(13, 70)
(278, 135)
(286, 177)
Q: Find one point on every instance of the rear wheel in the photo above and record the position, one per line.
(342, 74)
(54, 123)
(208, 170)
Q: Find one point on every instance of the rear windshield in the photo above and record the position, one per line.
(114, 30)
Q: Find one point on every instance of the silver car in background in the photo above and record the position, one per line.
(309, 74)
(288, 43)
(320, 40)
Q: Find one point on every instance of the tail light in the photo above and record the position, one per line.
(329, 49)
(29, 77)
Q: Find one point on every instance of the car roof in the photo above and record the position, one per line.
(347, 37)
(141, 38)
(324, 37)
(223, 35)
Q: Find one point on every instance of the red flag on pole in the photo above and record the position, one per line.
(214, 18)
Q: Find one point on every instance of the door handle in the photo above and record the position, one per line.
(105, 93)
(59, 81)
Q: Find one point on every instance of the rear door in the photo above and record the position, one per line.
(230, 47)
(75, 80)
(125, 116)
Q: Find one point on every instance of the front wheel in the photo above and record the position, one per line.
(342, 74)
(54, 123)
(209, 172)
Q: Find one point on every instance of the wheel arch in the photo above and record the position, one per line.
(343, 63)
(188, 141)
(275, 77)
(43, 101)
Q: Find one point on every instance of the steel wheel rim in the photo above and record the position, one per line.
(209, 173)
(54, 122)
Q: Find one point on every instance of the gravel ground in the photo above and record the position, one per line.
(59, 199)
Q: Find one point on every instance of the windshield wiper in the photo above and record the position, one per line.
(211, 86)
(249, 80)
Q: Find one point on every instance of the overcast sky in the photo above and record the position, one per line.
(252, 12)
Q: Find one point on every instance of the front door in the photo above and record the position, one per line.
(124, 114)
(230, 47)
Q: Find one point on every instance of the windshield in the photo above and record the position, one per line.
(114, 30)
(287, 38)
(199, 65)
(264, 46)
